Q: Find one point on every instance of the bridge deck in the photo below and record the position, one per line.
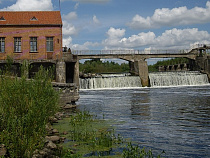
(131, 55)
(127, 52)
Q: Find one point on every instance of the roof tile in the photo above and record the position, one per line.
(25, 18)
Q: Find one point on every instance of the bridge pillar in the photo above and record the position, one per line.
(76, 73)
(143, 73)
(61, 72)
(134, 68)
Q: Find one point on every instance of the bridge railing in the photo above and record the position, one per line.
(119, 52)
(200, 46)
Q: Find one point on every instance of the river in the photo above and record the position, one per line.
(173, 119)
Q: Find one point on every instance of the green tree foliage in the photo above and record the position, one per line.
(97, 66)
(25, 106)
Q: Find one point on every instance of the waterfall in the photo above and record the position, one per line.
(157, 79)
(110, 82)
(177, 78)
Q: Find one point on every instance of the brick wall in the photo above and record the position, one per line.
(25, 33)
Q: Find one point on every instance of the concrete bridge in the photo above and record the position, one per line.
(137, 59)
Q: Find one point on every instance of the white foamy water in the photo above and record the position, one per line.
(161, 79)
(158, 79)
(110, 82)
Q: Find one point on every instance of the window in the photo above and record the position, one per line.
(2, 44)
(2, 19)
(17, 44)
(49, 44)
(33, 44)
(34, 19)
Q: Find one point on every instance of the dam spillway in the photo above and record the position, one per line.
(110, 82)
(187, 78)
(157, 79)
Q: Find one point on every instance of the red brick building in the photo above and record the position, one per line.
(30, 35)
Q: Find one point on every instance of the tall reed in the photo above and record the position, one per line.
(25, 107)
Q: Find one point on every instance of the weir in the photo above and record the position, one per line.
(193, 78)
(157, 79)
(110, 82)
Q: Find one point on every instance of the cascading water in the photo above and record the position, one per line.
(110, 82)
(160, 79)
(157, 79)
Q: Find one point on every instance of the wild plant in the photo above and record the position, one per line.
(134, 151)
(25, 107)
(86, 130)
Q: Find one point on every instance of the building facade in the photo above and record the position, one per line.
(30, 35)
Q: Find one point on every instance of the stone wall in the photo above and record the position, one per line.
(69, 92)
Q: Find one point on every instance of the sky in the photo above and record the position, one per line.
(126, 24)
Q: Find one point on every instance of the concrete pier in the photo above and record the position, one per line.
(61, 72)
(141, 69)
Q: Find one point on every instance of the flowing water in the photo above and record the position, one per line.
(177, 78)
(173, 119)
(110, 82)
(156, 80)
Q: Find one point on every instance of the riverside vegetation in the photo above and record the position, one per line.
(25, 108)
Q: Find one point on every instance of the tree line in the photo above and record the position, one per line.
(97, 66)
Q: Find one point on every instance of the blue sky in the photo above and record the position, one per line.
(124, 24)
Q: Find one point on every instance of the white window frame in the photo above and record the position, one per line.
(33, 44)
(49, 44)
(17, 44)
(2, 44)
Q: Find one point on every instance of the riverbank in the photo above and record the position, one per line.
(88, 136)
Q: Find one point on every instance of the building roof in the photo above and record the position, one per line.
(30, 18)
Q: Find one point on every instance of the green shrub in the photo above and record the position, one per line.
(25, 107)
(134, 151)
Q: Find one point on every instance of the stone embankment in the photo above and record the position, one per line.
(53, 141)
(69, 93)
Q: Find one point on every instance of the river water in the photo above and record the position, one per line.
(173, 119)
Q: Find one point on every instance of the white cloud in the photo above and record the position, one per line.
(35, 5)
(85, 46)
(95, 20)
(114, 36)
(67, 41)
(170, 39)
(69, 29)
(76, 6)
(92, 1)
(70, 16)
(115, 33)
(173, 17)
(181, 38)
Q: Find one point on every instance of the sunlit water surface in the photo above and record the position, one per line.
(173, 119)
